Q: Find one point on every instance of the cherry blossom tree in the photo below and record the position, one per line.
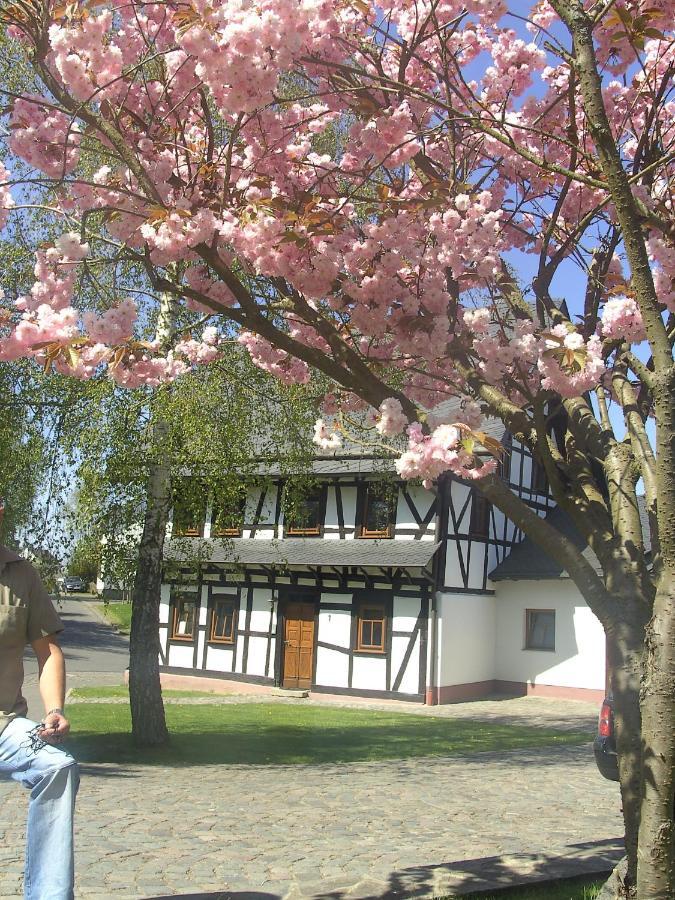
(416, 199)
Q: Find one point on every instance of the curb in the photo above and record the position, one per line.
(102, 619)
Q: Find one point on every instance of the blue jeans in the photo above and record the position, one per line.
(52, 776)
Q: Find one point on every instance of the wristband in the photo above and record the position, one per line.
(57, 710)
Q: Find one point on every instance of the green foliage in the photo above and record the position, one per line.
(85, 558)
(222, 423)
(279, 734)
(21, 455)
(118, 614)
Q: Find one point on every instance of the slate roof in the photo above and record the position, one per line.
(353, 458)
(335, 464)
(528, 562)
(304, 552)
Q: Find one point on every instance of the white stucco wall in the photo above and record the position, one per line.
(410, 683)
(422, 500)
(257, 655)
(164, 603)
(466, 638)
(348, 495)
(578, 660)
(331, 518)
(406, 610)
(369, 673)
(219, 658)
(265, 526)
(181, 655)
(332, 668)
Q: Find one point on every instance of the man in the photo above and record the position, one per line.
(28, 751)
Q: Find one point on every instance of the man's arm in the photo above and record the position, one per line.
(52, 687)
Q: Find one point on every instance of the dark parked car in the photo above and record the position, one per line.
(74, 584)
(604, 745)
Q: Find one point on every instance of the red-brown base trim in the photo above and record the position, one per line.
(455, 693)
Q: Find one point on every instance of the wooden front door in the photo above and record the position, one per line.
(298, 645)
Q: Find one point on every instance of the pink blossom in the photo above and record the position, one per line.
(622, 320)
(114, 326)
(44, 137)
(581, 374)
(325, 438)
(6, 199)
(392, 420)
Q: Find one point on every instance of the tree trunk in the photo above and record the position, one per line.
(148, 722)
(656, 857)
(625, 647)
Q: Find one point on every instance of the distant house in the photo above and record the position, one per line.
(375, 587)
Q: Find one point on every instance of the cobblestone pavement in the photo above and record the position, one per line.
(423, 827)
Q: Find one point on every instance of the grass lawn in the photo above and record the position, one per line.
(117, 614)
(584, 888)
(280, 734)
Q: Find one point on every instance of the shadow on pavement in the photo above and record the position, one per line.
(492, 873)
(221, 895)
(107, 772)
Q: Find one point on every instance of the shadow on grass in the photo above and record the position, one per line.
(268, 734)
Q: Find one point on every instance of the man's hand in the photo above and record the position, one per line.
(54, 728)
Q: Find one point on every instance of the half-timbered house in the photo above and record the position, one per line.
(373, 587)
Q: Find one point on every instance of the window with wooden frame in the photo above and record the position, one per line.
(227, 515)
(223, 620)
(378, 511)
(479, 524)
(189, 508)
(184, 618)
(305, 514)
(540, 629)
(371, 628)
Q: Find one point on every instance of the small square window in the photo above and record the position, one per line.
(379, 511)
(371, 628)
(305, 515)
(184, 619)
(223, 617)
(540, 629)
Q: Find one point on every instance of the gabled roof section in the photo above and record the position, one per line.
(337, 464)
(353, 458)
(528, 562)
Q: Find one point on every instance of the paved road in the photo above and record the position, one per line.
(412, 828)
(94, 653)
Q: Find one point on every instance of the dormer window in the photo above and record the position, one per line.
(304, 516)
(479, 525)
(189, 508)
(378, 511)
(227, 516)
